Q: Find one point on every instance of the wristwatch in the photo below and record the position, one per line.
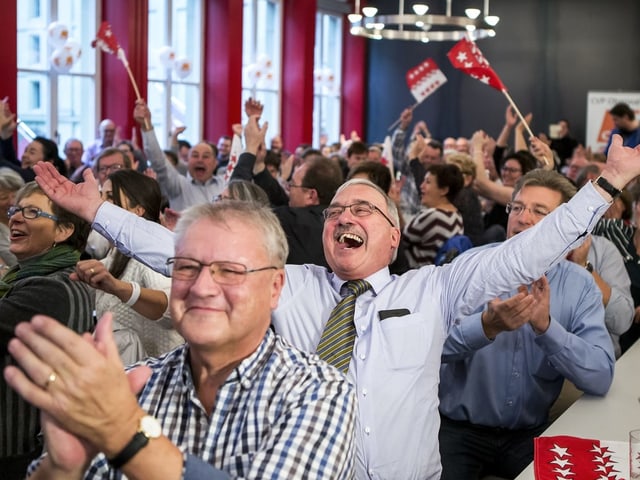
(148, 428)
(588, 266)
(604, 184)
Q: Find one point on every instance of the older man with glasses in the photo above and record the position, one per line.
(236, 401)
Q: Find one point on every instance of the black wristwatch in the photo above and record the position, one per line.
(148, 428)
(604, 184)
(588, 266)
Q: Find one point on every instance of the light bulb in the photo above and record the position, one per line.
(354, 17)
(420, 8)
(472, 13)
(492, 20)
(369, 11)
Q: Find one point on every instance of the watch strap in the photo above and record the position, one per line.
(604, 184)
(137, 443)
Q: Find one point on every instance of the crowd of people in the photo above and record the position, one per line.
(326, 338)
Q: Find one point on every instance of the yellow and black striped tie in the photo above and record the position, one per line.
(336, 343)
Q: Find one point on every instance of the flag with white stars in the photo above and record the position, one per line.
(564, 457)
(424, 79)
(466, 56)
(106, 40)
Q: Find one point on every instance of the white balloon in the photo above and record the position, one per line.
(264, 62)
(58, 34)
(253, 74)
(167, 56)
(62, 60)
(317, 77)
(73, 48)
(182, 67)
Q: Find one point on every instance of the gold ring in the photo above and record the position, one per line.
(92, 271)
(50, 379)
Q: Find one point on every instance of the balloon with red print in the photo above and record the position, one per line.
(73, 48)
(62, 60)
(167, 56)
(182, 67)
(58, 34)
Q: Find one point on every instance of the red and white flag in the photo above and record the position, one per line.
(105, 39)
(424, 79)
(466, 56)
(572, 458)
(387, 155)
(234, 154)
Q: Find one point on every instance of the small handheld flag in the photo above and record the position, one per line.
(424, 79)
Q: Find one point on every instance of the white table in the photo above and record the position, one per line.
(603, 418)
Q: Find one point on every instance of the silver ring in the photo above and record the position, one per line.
(92, 271)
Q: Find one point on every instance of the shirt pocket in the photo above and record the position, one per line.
(406, 341)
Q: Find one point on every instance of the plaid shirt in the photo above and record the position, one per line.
(282, 413)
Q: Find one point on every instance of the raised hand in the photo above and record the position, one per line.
(83, 199)
(510, 117)
(254, 135)
(142, 115)
(253, 108)
(623, 163)
(509, 314)
(7, 120)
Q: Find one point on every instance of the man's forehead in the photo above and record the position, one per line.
(539, 195)
(358, 192)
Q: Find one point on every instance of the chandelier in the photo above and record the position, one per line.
(422, 27)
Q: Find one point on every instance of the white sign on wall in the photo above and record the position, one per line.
(599, 123)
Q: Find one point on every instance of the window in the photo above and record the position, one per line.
(53, 103)
(327, 76)
(175, 37)
(262, 57)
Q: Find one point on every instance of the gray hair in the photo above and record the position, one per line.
(247, 192)
(10, 180)
(391, 206)
(273, 237)
(549, 179)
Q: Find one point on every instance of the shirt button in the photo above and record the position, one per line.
(367, 430)
(516, 374)
(364, 392)
(362, 356)
(590, 208)
(363, 328)
(510, 403)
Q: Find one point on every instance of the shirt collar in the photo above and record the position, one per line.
(377, 281)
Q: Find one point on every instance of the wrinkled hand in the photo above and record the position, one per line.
(623, 163)
(95, 274)
(540, 309)
(83, 198)
(510, 117)
(142, 115)
(406, 117)
(91, 397)
(541, 151)
(254, 135)
(417, 146)
(579, 255)
(507, 315)
(7, 120)
(253, 108)
(396, 189)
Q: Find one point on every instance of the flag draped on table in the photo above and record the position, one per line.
(467, 57)
(572, 458)
(424, 79)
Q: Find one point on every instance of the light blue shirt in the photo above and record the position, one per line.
(512, 381)
(182, 191)
(395, 365)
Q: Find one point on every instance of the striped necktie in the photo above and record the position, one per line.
(336, 343)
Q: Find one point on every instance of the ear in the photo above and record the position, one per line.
(63, 232)
(444, 191)
(395, 237)
(139, 210)
(312, 195)
(277, 283)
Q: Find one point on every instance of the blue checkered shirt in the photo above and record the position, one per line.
(282, 413)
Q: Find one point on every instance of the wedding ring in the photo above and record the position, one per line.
(52, 378)
(92, 271)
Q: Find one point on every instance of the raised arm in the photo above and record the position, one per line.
(483, 184)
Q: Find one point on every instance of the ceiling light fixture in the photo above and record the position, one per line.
(420, 26)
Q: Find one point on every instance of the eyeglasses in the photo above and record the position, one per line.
(224, 273)
(30, 213)
(518, 208)
(110, 168)
(293, 185)
(358, 209)
(511, 170)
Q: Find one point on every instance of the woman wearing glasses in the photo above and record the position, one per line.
(47, 242)
(136, 295)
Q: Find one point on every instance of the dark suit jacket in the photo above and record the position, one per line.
(303, 227)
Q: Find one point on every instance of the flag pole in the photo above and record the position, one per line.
(394, 124)
(123, 59)
(524, 122)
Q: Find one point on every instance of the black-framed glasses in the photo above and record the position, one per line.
(30, 213)
(357, 209)
(111, 168)
(224, 273)
(518, 208)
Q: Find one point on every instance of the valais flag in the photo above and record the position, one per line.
(466, 56)
(425, 79)
(573, 458)
(234, 154)
(387, 155)
(106, 40)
